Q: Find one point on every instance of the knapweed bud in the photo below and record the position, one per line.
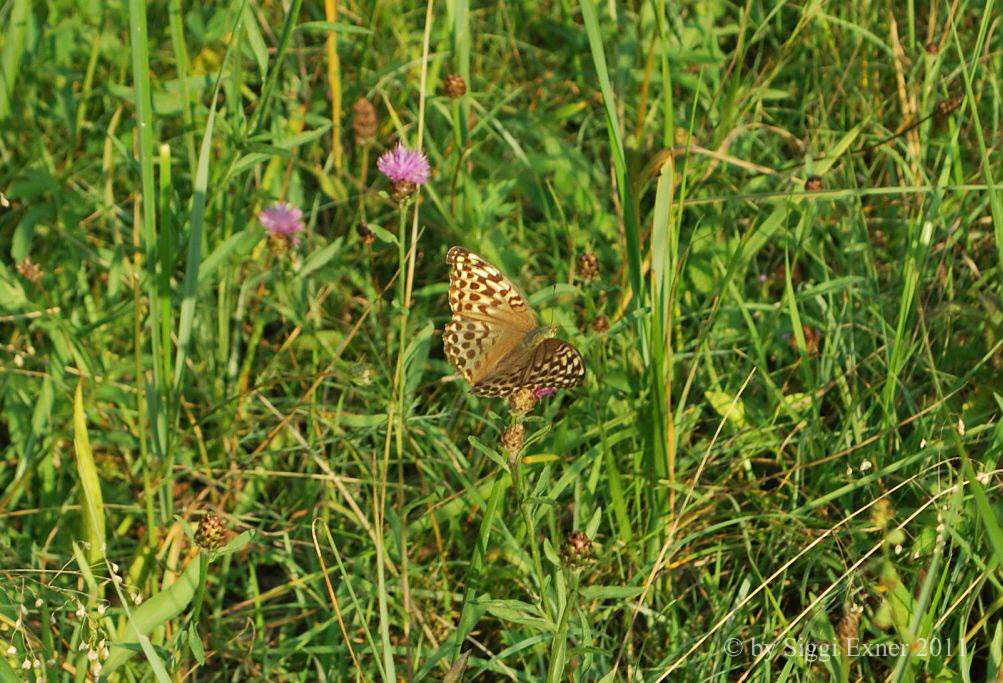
(522, 401)
(211, 533)
(364, 122)
(600, 324)
(813, 183)
(454, 86)
(513, 438)
(577, 548)
(588, 266)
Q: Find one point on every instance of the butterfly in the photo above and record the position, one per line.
(495, 339)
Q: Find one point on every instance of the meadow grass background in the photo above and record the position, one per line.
(790, 428)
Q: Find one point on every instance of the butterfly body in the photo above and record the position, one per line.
(495, 339)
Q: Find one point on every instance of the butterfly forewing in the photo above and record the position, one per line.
(478, 290)
(487, 337)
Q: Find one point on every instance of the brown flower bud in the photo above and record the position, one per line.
(933, 47)
(211, 532)
(577, 548)
(513, 438)
(588, 266)
(813, 183)
(454, 86)
(364, 122)
(522, 401)
(600, 324)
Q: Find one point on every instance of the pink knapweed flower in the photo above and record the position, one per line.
(544, 391)
(403, 165)
(283, 220)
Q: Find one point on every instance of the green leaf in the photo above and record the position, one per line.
(593, 526)
(238, 244)
(195, 643)
(91, 503)
(492, 454)
(416, 358)
(335, 26)
(158, 610)
(382, 234)
(550, 553)
(301, 138)
(611, 592)
(727, 406)
(237, 543)
(320, 258)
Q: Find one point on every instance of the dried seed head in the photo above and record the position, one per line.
(945, 107)
(211, 532)
(813, 183)
(600, 324)
(588, 266)
(454, 86)
(522, 401)
(364, 122)
(812, 339)
(849, 626)
(513, 438)
(367, 236)
(29, 270)
(577, 548)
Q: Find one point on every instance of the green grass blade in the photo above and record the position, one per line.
(91, 500)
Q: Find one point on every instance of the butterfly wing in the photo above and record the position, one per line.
(491, 317)
(478, 290)
(553, 364)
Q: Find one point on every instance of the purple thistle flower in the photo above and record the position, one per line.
(403, 165)
(544, 391)
(283, 220)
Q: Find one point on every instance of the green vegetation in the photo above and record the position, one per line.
(789, 434)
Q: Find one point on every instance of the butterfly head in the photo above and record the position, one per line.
(538, 335)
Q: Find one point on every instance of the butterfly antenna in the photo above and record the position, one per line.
(552, 297)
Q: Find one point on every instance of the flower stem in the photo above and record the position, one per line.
(467, 622)
(534, 545)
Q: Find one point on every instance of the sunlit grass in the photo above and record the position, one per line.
(784, 462)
